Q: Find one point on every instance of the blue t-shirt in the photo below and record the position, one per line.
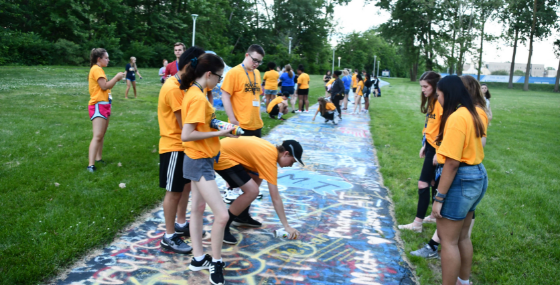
(347, 80)
(286, 80)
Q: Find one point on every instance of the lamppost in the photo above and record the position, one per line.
(339, 62)
(374, 60)
(194, 16)
(290, 46)
(332, 71)
(378, 63)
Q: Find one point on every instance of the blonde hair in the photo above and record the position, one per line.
(289, 70)
(345, 72)
(133, 63)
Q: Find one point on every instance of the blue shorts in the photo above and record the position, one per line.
(270, 92)
(288, 89)
(466, 191)
(131, 79)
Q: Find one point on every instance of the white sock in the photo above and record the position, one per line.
(199, 258)
(216, 260)
(183, 224)
(464, 282)
(280, 115)
(169, 235)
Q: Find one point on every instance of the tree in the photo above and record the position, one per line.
(557, 52)
(488, 10)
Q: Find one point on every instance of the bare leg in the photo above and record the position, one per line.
(99, 129)
(250, 192)
(366, 107)
(346, 102)
(466, 248)
(306, 99)
(451, 254)
(197, 214)
(170, 203)
(127, 88)
(293, 99)
(183, 204)
(300, 99)
(435, 237)
(100, 147)
(134, 87)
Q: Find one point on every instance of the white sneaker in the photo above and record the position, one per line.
(306, 111)
(298, 111)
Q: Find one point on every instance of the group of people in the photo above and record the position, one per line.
(453, 177)
(293, 87)
(191, 152)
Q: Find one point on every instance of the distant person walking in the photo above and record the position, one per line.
(172, 68)
(487, 95)
(99, 105)
(303, 89)
(347, 80)
(270, 83)
(161, 72)
(376, 89)
(326, 78)
(337, 92)
(131, 70)
(368, 88)
(359, 94)
(288, 83)
(354, 81)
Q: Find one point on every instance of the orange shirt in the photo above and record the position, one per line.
(330, 82)
(170, 101)
(197, 109)
(271, 80)
(354, 80)
(361, 86)
(303, 81)
(330, 106)
(254, 154)
(431, 129)
(459, 139)
(238, 85)
(484, 117)
(96, 94)
(273, 103)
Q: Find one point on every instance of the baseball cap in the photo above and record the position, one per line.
(294, 148)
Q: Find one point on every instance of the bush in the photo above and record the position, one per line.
(500, 72)
(145, 55)
(68, 53)
(23, 48)
(519, 73)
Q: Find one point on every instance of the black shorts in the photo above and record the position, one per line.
(256, 133)
(328, 115)
(171, 171)
(428, 168)
(304, 92)
(275, 110)
(354, 90)
(235, 176)
(162, 80)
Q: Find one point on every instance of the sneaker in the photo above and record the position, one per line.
(217, 273)
(91, 168)
(426, 252)
(229, 238)
(100, 161)
(175, 244)
(293, 111)
(260, 196)
(281, 119)
(231, 195)
(200, 265)
(326, 121)
(306, 111)
(249, 222)
(415, 227)
(297, 111)
(184, 231)
(429, 220)
(271, 116)
(334, 122)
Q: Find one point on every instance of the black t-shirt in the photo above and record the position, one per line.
(129, 74)
(327, 78)
(368, 83)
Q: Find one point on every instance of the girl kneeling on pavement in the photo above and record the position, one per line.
(327, 110)
(278, 107)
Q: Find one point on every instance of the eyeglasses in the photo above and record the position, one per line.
(220, 77)
(256, 61)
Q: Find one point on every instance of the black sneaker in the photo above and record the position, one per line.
(175, 244)
(217, 273)
(229, 238)
(247, 222)
(200, 265)
(91, 168)
(101, 161)
(184, 231)
(326, 121)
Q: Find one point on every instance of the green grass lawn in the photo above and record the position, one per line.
(516, 237)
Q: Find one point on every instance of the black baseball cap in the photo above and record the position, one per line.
(294, 148)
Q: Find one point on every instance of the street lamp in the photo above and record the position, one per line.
(290, 46)
(378, 63)
(332, 61)
(194, 16)
(339, 62)
(374, 60)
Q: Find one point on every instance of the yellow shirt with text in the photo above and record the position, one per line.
(245, 89)
(197, 110)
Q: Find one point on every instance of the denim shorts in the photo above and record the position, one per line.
(194, 169)
(270, 92)
(466, 191)
(288, 89)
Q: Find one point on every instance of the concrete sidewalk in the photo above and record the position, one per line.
(336, 201)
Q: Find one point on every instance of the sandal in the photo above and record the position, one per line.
(415, 227)
(429, 220)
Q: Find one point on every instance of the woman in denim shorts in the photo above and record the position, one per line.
(463, 179)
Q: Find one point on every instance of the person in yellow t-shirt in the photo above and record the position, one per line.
(244, 163)
(171, 158)
(270, 83)
(358, 94)
(463, 180)
(202, 148)
(241, 90)
(278, 107)
(327, 110)
(354, 81)
(99, 105)
(303, 89)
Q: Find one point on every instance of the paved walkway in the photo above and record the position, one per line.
(336, 201)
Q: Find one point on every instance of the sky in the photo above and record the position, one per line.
(358, 18)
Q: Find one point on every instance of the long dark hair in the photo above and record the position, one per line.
(322, 105)
(456, 95)
(474, 89)
(429, 102)
(359, 77)
(487, 94)
(188, 55)
(198, 66)
(95, 54)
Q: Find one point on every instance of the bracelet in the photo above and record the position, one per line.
(439, 201)
(439, 195)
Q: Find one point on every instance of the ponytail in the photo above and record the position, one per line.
(95, 54)
(197, 67)
(322, 105)
(289, 70)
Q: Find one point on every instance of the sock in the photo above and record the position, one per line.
(216, 260)
(231, 218)
(464, 282)
(280, 115)
(199, 258)
(183, 224)
(245, 214)
(169, 235)
(433, 244)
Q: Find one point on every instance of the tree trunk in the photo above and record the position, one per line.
(527, 73)
(512, 68)
(557, 78)
(460, 62)
(414, 71)
(452, 63)
(481, 45)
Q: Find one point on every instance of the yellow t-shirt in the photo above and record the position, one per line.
(330, 106)
(254, 154)
(484, 117)
(303, 81)
(170, 101)
(354, 80)
(330, 82)
(237, 85)
(361, 87)
(459, 139)
(273, 103)
(431, 129)
(197, 109)
(96, 94)
(271, 80)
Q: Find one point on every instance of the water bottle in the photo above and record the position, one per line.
(221, 125)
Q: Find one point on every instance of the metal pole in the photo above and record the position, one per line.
(378, 63)
(194, 16)
(290, 46)
(339, 62)
(374, 60)
(332, 71)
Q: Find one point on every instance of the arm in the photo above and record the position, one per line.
(279, 207)
(226, 100)
(483, 142)
(489, 114)
(190, 134)
(315, 114)
(136, 69)
(108, 85)
(178, 117)
(447, 176)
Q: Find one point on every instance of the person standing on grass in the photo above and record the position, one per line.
(278, 107)
(244, 163)
(162, 71)
(487, 95)
(171, 158)
(288, 83)
(131, 70)
(376, 89)
(99, 105)
(327, 110)
(337, 92)
(347, 80)
(303, 89)
(463, 181)
(270, 83)
(433, 111)
(326, 78)
(367, 90)
(202, 147)
(359, 94)
(173, 67)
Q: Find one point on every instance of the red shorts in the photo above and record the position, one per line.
(100, 109)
